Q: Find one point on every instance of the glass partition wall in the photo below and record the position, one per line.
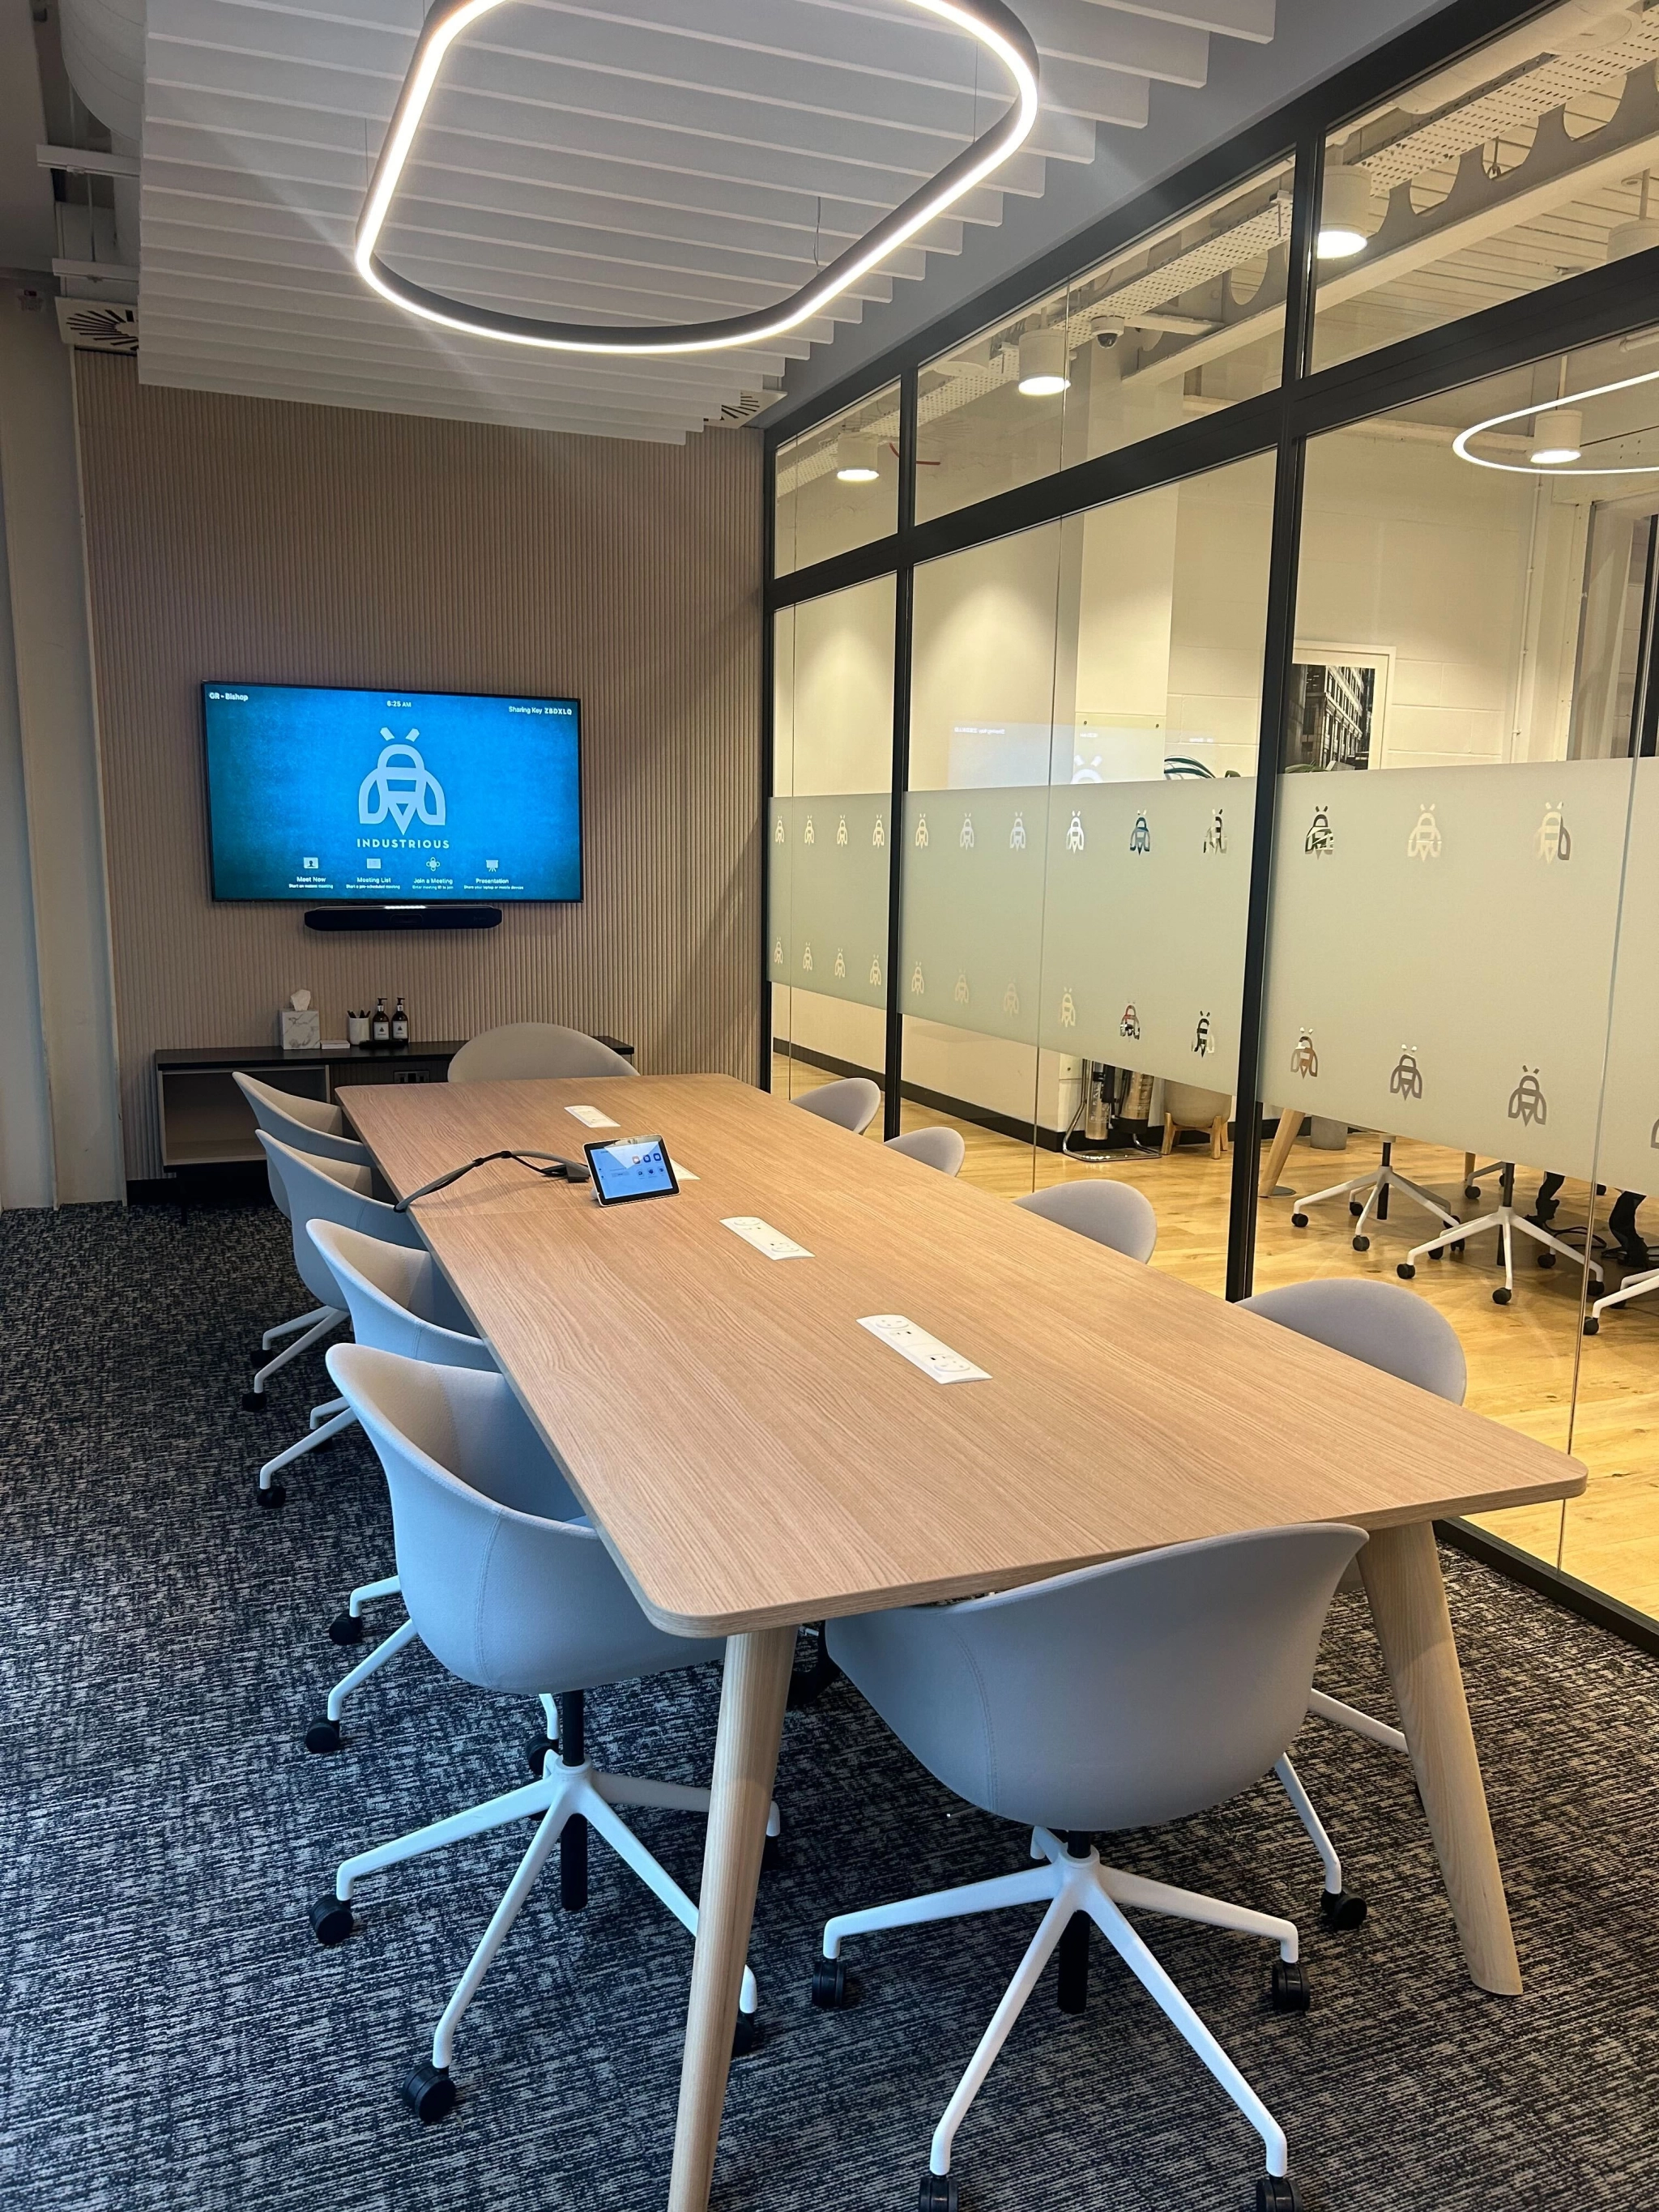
(1377, 499)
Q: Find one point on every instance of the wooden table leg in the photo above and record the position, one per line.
(1401, 1568)
(757, 1666)
(1288, 1129)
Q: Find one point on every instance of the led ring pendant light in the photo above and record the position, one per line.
(996, 29)
(1570, 407)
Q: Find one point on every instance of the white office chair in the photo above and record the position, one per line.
(325, 1191)
(309, 1125)
(1123, 1696)
(1113, 1213)
(941, 1148)
(851, 1103)
(399, 1302)
(537, 1050)
(1389, 1329)
(509, 1589)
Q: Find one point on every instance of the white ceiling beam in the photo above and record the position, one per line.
(1078, 31)
(1252, 20)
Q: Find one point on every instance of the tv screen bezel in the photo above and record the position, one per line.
(390, 690)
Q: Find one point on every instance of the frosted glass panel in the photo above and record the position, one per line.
(973, 908)
(830, 862)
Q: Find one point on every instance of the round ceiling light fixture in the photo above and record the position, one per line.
(1345, 213)
(1043, 367)
(856, 461)
(1557, 436)
(995, 27)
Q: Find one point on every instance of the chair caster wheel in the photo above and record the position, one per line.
(1404, 1271)
(345, 1629)
(831, 1991)
(1457, 1250)
(774, 1858)
(1356, 1207)
(331, 1920)
(1289, 1989)
(1592, 1325)
(1502, 1295)
(1362, 1243)
(536, 1749)
(273, 1497)
(429, 2091)
(938, 2193)
(1438, 1252)
(1298, 1221)
(1340, 1909)
(1279, 2193)
(747, 2035)
(324, 1735)
(254, 1401)
(1471, 1190)
(1547, 1259)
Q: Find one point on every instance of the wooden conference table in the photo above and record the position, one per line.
(755, 1459)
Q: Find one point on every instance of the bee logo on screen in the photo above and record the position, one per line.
(1216, 839)
(1203, 1043)
(966, 839)
(1424, 843)
(1130, 1025)
(1067, 1012)
(1017, 835)
(1321, 838)
(961, 988)
(878, 835)
(918, 989)
(1074, 837)
(841, 963)
(1304, 1058)
(1553, 842)
(841, 830)
(1527, 1101)
(1140, 837)
(401, 784)
(1406, 1080)
(1011, 1003)
(922, 832)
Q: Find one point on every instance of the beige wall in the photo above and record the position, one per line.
(252, 538)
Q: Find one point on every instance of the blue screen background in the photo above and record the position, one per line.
(476, 797)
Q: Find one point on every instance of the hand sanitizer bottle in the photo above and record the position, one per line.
(400, 1022)
(381, 1031)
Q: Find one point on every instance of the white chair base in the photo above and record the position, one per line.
(1378, 1184)
(320, 1323)
(326, 1420)
(1069, 1885)
(1633, 1286)
(563, 1794)
(1350, 1717)
(1510, 1223)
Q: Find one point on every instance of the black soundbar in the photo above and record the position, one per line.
(403, 917)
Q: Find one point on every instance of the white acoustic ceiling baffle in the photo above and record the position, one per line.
(590, 162)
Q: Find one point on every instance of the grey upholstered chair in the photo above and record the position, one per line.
(324, 1190)
(851, 1102)
(398, 1301)
(1386, 1327)
(309, 1125)
(512, 1590)
(543, 1050)
(941, 1148)
(1123, 1696)
(1113, 1213)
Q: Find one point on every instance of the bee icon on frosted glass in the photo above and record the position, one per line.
(1203, 1043)
(841, 830)
(1011, 1001)
(917, 987)
(841, 963)
(1527, 1101)
(1424, 843)
(810, 839)
(777, 952)
(1216, 838)
(875, 975)
(1406, 1080)
(1074, 837)
(777, 834)
(1321, 837)
(1304, 1058)
(1130, 1025)
(1017, 835)
(1140, 837)
(878, 835)
(1067, 1011)
(1553, 843)
(921, 830)
(962, 988)
(966, 839)
(807, 960)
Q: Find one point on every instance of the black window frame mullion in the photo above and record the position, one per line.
(904, 618)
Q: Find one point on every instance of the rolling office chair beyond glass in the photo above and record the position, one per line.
(941, 1148)
(1124, 1696)
(510, 1589)
(850, 1103)
(308, 1124)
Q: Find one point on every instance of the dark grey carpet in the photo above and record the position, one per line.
(172, 2038)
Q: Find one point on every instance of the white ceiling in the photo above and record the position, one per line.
(617, 159)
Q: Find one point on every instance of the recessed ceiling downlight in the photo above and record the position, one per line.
(1043, 368)
(995, 27)
(856, 461)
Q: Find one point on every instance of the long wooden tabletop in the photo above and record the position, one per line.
(755, 1457)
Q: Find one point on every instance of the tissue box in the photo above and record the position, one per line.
(299, 1032)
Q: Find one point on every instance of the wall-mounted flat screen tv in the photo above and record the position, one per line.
(414, 796)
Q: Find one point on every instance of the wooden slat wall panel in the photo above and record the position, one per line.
(254, 539)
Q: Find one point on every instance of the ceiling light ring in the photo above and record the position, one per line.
(992, 24)
(1569, 400)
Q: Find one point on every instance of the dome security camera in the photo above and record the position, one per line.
(1111, 329)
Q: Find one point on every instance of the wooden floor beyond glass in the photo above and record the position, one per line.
(1524, 1359)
